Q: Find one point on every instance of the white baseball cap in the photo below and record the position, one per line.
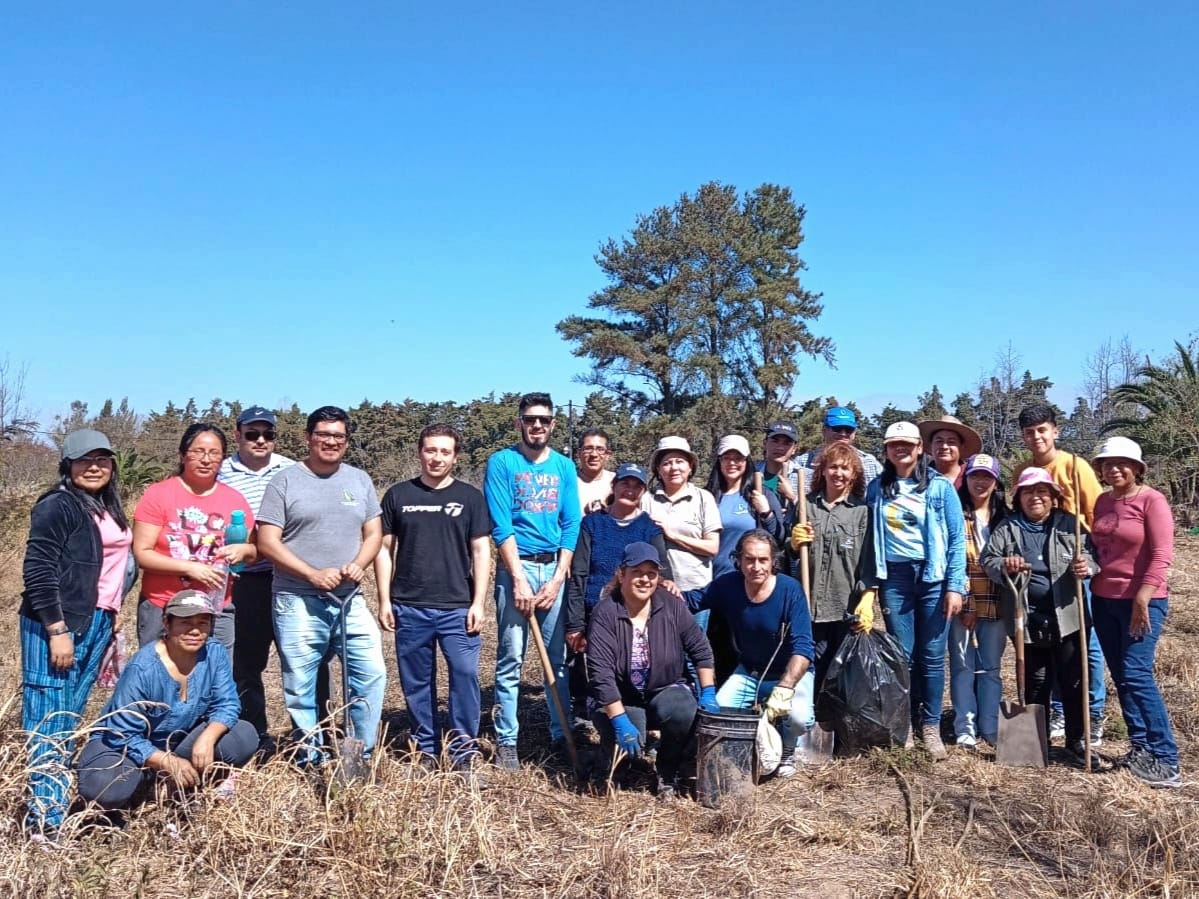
(902, 432)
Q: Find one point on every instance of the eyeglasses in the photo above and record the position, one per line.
(544, 420)
(99, 461)
(254, 435)
(330, 437)
(593, 451)
(201, 455)
(843, 430)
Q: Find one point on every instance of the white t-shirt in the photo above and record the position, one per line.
(595, 491)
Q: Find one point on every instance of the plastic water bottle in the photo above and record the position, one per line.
(236, 532)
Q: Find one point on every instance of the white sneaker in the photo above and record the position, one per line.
(789, 765)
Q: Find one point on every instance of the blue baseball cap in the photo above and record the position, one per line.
(256, 413)
(631, 470)
(840, 417)
(636, 553)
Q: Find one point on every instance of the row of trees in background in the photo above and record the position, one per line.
(1157, 403)
(699, 331)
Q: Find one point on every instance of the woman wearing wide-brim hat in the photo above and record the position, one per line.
(688, 515)
(1134, 545)
(950, 442)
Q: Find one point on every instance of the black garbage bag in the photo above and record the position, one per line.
(865, 692)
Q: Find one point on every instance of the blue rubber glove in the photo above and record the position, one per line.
(628, 737)
(707, 700)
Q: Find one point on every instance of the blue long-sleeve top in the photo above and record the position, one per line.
(538, 503)
(757, 626)
(145, 708)
(944, 534)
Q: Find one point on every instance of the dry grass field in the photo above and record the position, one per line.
(890, 824)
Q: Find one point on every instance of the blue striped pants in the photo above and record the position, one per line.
(53, 704)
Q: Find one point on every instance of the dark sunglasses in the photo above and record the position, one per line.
(253, 435)
(545, 420)
(843, 430)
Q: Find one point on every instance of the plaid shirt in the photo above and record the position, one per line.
(983, 595)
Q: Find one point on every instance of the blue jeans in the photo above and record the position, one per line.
(308, 633)
(1130, 660)
(974, 685)
(738, 693)
(512, 643)
(1097, 686)
(419, 631)
(914, 612)
(51, 712)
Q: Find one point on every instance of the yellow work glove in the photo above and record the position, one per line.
(779, 703)
(802, 535)
(864, 612)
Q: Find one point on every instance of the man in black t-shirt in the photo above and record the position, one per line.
(432, 578)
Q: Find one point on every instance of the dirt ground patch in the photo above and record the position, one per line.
(887, 824)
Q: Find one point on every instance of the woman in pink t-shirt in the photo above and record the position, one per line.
(76, 570)
(179, 535)
(1133, 535)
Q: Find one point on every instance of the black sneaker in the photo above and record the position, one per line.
(1155, 772)
(506, 758)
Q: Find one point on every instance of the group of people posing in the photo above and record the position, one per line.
(617, 569)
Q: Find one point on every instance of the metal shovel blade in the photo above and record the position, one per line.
(352, 753)
(1023, 736)
(816, 746)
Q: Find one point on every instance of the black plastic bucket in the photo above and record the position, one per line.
(725, 754)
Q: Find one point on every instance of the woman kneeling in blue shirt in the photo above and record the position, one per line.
(174, 710)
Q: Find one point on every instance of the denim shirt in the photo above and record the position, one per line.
(944, 533)
(145, 708)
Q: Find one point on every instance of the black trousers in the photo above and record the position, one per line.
(827, 637)
(252, 641)
(1060, 661)
(672, 711)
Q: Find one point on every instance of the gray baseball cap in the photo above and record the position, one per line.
(79, 443)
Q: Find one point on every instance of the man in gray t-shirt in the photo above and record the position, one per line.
(319, 524)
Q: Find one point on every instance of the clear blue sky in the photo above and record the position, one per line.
(325, 202)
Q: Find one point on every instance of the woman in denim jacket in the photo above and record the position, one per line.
(919, 548)
(1038, 540)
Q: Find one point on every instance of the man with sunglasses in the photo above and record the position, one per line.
(840, 426)
(248, 471)
(533, 495)
(320, 524)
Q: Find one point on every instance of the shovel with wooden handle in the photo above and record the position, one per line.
(1081, 602)
(1023, 739)
(552, 685)
(817, 744)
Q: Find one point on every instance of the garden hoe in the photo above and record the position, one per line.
(1023, 740)
(350, 750)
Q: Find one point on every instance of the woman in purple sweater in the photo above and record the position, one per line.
(1134, 545)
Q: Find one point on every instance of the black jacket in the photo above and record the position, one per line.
(62, 562)
(671, 631)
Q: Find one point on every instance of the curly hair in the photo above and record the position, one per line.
(844, 454)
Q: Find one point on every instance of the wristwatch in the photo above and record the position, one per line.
(58, 631)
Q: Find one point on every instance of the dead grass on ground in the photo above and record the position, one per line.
(888, 824)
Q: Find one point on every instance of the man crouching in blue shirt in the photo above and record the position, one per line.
(765, 612)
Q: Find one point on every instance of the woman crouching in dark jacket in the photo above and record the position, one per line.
(636, 644)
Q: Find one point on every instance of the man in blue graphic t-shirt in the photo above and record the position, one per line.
(532, 493)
